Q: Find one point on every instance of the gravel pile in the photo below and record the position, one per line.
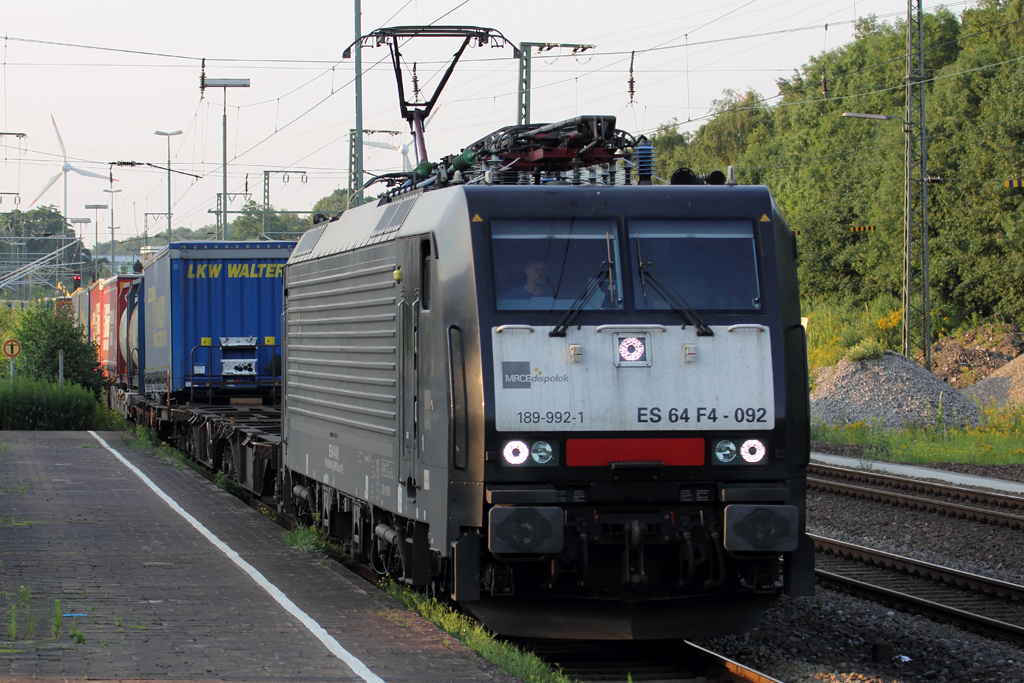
(1004, 386)
(829, 637)
(966, 358)
(891, 392)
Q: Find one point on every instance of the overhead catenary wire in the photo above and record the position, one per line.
(581, 79)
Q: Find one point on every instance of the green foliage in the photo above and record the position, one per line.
(8, 322)
(58, 619)
(307, 539)
(332, 204)
(996, 441)
(525, 666)
(34, 404)
(255, 222)
(835, 328)
(830, 173)
(868, 349)
(43, 329)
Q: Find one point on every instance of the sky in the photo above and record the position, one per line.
(111, 73)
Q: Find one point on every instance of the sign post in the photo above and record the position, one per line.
(12, 347)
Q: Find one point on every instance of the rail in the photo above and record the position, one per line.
(972, 601)
(979, 514)
(928, 488)
(673, 661)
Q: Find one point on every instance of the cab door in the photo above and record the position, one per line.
(414, 304)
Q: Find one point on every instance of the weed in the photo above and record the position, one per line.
(117, 621)
(12, 626)
(867, 349)
(396, 617)
(58, 619)
(21, 488)
(76, 635)
(103, 643)
(307, 539)
(524, 665)
(139, 625)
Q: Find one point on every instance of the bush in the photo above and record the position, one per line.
(869, 349)
(34, 404)
(43, 331)
(835, 328)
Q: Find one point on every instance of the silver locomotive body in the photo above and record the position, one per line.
(580, 411)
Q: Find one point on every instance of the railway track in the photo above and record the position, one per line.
(670, 661)
(977, 603)
(990, 508)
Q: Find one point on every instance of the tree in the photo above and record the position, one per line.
(250, 225)
(332, 204)
(43, 330)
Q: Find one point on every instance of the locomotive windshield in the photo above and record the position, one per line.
(712, 265)
(545, 265)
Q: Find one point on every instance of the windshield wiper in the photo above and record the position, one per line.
(603, 273)
(648, 273)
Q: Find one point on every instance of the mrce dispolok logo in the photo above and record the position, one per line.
(520, 375)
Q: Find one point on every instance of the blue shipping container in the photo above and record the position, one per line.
(213, 315)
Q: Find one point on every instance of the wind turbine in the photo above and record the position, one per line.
(407, 164)
(65, 167)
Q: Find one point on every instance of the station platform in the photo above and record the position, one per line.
(194, 585)
(921, 473)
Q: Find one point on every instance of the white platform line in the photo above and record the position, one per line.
(316, 629)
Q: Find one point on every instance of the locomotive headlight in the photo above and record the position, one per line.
(541, 452)
(516, 452)
(725, 451)
(631, 349)
(753, 450)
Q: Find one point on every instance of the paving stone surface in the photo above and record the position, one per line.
(157, 601)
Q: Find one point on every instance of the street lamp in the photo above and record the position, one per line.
(168, 136)
(224, 83)
(112, 193)
(95, 262)
(908, 242)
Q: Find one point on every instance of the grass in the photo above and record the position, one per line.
(12, 625)
(22, 605)
(307, 539)
(143, 438)
(998, 440)
(58, 619)
(524, 665)
(25, 597)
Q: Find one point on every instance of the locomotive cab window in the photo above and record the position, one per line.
(546, 265)
(712, 265)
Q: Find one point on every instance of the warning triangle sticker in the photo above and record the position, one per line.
(765, 219)
(477, 219)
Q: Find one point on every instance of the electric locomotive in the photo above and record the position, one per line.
(571, 400)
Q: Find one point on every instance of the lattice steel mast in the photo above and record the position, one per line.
(917, 331)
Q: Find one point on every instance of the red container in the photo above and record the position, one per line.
(108, 315)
